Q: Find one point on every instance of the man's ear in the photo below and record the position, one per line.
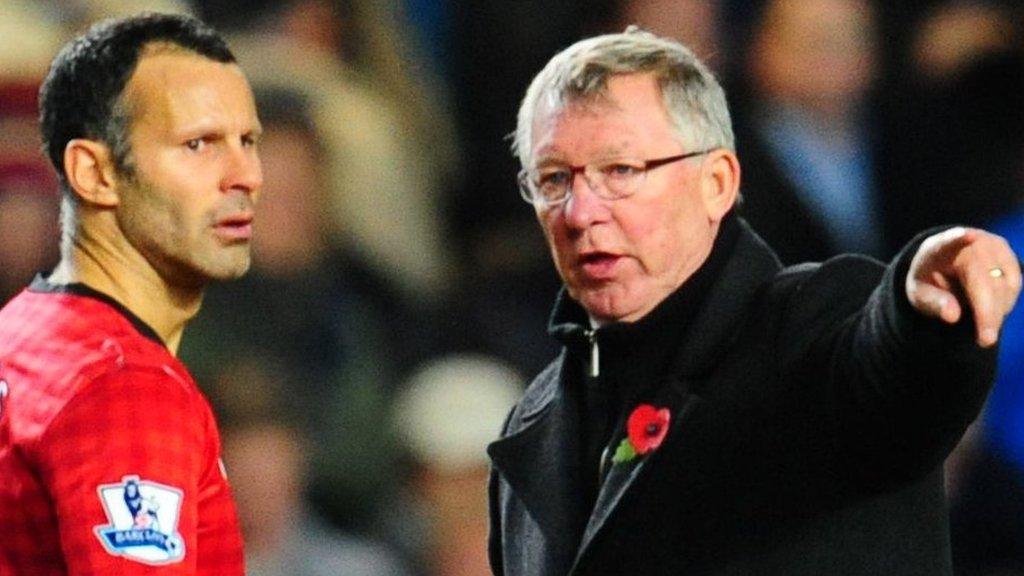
(91, 172)
(720, 182)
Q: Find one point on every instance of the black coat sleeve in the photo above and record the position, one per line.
(902, 387)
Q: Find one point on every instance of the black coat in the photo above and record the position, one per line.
(811, 412)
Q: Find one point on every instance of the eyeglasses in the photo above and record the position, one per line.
(612, 180)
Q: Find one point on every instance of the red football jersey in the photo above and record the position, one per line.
(109, 454)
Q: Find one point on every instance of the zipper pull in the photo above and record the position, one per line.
(595, 356)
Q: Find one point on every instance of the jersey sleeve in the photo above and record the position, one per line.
(122, 463)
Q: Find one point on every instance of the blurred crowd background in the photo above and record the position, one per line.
(400, 288)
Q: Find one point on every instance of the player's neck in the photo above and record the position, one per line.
(134, 283)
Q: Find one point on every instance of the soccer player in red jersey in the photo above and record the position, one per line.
(109, 455)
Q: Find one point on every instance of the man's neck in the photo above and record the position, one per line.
(140, 289)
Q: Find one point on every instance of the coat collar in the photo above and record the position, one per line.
(742, 263)
(715, 325)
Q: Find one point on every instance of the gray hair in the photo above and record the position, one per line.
(692, 96)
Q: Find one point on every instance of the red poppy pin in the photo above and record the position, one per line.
(645, 430)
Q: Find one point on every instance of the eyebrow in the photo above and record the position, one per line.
(604, 156)
(204, 127)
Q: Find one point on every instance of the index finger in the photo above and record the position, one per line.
(990, 277)
(981, 292)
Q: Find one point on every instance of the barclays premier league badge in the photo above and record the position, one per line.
(143, 518)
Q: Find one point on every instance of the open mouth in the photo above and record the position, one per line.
(596, 257)
(598, 264)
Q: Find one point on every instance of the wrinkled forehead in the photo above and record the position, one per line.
(163, 67)
(175, 86)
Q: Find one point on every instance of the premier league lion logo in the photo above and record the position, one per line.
(143, 518)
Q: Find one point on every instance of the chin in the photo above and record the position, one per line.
(609, 306)
(601, 307)
(222, 269)
(230, 273)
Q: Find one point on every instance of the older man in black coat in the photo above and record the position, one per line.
(712, 412)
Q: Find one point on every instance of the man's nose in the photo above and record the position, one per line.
(244, 171)
(584, 207)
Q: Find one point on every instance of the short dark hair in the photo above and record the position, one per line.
(81, 95)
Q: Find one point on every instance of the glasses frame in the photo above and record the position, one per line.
(526, 185)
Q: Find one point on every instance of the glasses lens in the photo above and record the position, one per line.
(621, 178)
(551, 184)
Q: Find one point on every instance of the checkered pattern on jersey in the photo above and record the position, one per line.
(91, 400)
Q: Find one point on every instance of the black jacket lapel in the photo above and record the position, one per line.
(538, 460)
(623, 476)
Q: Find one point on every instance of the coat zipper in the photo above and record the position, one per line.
(595, 355)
